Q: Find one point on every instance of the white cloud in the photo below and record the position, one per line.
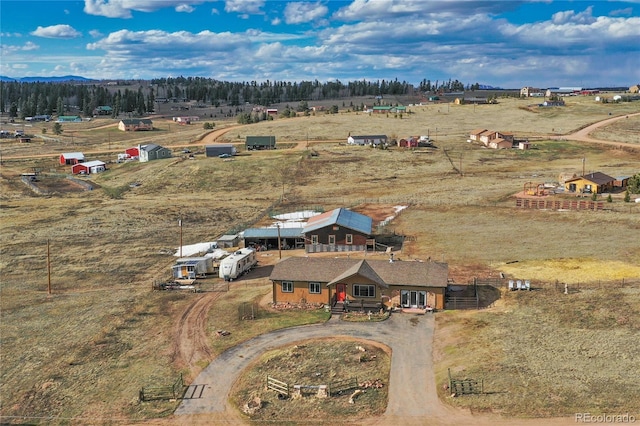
(122, 8)
(57, 31)
(185, 8)
(20, 66)
(95, 33)
(299, 13)
(252, 7)
(585, 17)
(59, 68)
(30, 46)
(276, 21)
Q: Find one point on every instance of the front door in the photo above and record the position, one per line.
(341, 292)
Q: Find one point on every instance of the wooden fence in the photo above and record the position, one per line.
(278, 386)
(154, 393)
(527, 203)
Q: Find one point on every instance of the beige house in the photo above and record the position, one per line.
(135, 124)
(635, 89)
(528, 92)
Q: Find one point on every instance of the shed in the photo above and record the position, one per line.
(69, 158)
(260, 142)
(221, 149)
(267, 238)
(88, 167)
(69, 119)
(228, 241)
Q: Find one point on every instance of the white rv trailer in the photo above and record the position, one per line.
(241, 261)
(193, 267)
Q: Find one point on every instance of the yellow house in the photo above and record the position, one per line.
(359, 283)
(596, 182)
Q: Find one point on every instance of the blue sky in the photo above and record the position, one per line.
(501, 43)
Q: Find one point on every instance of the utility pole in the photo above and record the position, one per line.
(583, 161)
(180, 224)
(48, 269)
(279, 243)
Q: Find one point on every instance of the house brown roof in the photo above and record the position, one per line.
(598, 178)
(477, 131)
(328, 270)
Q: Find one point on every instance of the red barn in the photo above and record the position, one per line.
(71, 158)
(88, 168)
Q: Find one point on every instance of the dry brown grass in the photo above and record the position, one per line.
(85, 351)
(546, 354)
(314, 363)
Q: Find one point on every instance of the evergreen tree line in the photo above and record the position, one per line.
(39, 98)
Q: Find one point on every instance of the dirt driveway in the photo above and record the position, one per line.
(412, 388)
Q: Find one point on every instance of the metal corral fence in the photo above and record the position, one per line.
(155, 393)
(248, 311)
(557, 284)
(526, 203)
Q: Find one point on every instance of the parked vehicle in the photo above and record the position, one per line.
(239, 263)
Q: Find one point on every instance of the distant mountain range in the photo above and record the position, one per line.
(60, 79)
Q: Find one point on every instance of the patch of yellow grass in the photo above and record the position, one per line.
(572, 270)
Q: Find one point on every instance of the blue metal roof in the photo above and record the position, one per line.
(341, 217)
(273, 233)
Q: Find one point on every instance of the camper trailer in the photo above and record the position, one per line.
(238, 263)
(193, 267)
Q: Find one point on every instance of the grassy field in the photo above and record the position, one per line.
(546, 354)
(84, 351)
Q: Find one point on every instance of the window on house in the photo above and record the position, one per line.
(349, 238)
(314, 288)
(332, 240)
(287, 286)
(360, 290)
(314, 239)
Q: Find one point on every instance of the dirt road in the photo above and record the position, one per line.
(582, 135)
(191, 342)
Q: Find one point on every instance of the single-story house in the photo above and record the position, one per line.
(635, 88)
(135, 124)
(596, 182)
(220, 149)
(88, 167)
(471, 100)
(228, 241)
(69, 119)
(367, 140)
(273, 112)
(355, 283)
(69, 158)
(103, 110)
(382, 109)
(152, 152)
(337, 230)
(489, 136)
(262, 238)
(260, 142)
(562, 91)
